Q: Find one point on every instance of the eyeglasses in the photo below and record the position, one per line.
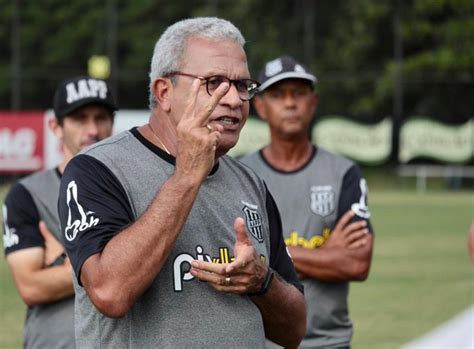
(246, 88)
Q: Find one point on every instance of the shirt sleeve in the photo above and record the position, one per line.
(354, 195)
(93, 207)
(21, 219)
(280, 260)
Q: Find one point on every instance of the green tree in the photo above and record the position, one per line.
(348, 44)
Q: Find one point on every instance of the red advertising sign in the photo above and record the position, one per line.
(21, 141)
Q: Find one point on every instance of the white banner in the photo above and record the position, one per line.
(369, 144)
(421, 137)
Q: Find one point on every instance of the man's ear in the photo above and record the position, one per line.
(162, 90)
(314, 102)
(55, 127)
(259, 105)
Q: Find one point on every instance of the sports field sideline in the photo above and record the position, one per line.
(421, 275)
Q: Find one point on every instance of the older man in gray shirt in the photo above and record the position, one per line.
(173, 243)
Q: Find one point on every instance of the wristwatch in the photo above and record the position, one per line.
(266, 283)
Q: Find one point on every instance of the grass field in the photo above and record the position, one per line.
(421, 275)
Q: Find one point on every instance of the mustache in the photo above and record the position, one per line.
(90, 141)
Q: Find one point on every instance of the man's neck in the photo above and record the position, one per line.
(288, 155)
(67, 156)
(62, 166)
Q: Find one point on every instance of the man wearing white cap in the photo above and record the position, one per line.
(322, 199)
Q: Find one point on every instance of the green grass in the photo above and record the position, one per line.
(421, 275)
(12, 309)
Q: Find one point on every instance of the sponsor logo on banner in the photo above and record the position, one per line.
(21, 141)
(366, 143)
(425, 138)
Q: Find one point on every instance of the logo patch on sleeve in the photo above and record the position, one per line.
(360, 208)
(253, 221)
(77, 218)
(9, 237)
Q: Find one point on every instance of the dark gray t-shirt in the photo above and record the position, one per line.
(110, 186)
(311, 200)
(30, 200)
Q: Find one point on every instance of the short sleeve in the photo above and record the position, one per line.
(21, 219)
(93, 207)
(354, 195)
(280, 260)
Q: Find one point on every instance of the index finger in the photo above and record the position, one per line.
(202, 117)
(344, 220)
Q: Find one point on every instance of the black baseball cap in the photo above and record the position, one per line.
(77, 92)
(284, 67)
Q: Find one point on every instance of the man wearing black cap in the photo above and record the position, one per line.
(322, 200)
(84, 112)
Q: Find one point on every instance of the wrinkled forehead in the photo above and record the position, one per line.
(91, 110)
(209, 57)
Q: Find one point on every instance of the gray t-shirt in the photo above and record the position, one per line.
(30, 200)
(311, 200)
(109, 187)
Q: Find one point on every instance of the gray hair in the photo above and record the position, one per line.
(169, 50)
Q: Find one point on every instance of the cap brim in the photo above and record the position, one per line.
(287, 75)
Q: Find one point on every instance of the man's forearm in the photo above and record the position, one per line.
(333, 264)
(284, 313)
(115, 278)
(46, 285)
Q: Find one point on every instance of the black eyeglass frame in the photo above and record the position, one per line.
(252, 91)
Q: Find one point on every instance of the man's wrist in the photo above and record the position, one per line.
(266, 283)
(184, 184)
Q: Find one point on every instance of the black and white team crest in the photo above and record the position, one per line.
(253, 221)
(322, 200)
(77, 218)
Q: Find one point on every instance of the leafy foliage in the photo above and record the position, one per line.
(348, 44)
